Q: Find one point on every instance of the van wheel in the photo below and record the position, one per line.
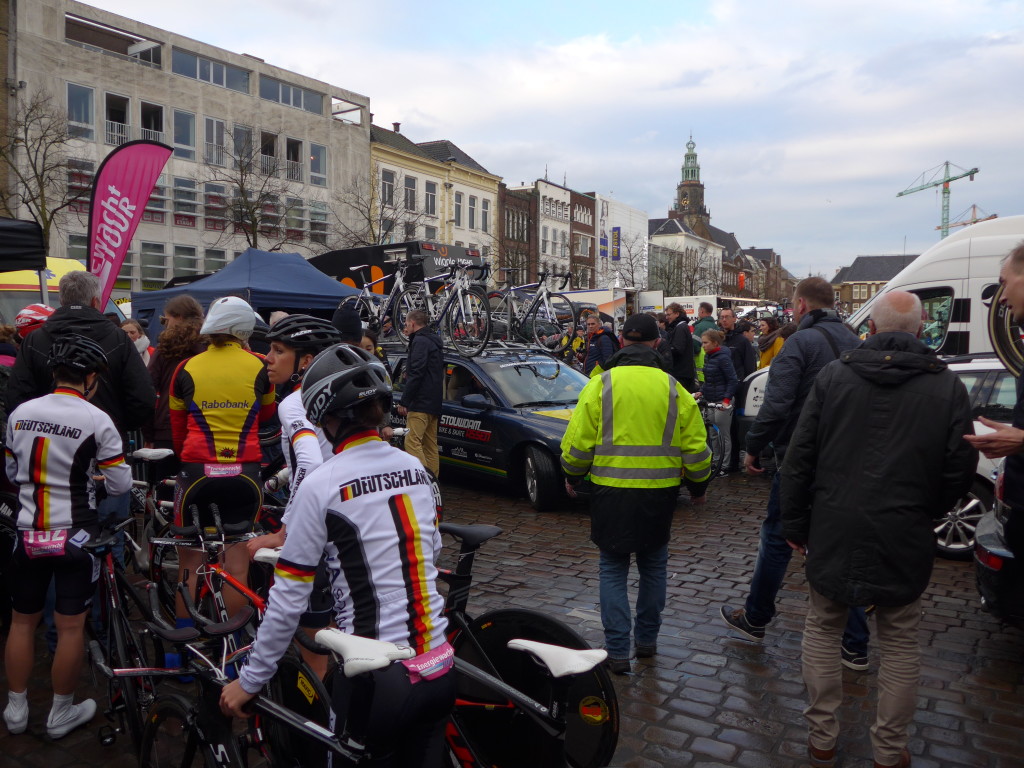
(954, 533)
(541, 478)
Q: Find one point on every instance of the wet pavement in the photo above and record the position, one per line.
(708, 698)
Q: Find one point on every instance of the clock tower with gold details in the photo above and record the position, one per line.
(689, 203)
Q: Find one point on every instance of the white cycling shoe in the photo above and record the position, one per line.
(16, 719)
(69, 719)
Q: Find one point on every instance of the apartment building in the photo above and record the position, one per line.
(234, 121)
(621, 258)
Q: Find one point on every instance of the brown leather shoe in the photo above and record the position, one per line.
(821, 757)
(903, 762)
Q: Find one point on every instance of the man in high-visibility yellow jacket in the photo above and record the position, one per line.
(637, 432)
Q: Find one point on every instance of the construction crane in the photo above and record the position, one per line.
(963, 220)
(931, 178)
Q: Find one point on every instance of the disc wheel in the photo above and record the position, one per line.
(469, 322)
(1005, 334)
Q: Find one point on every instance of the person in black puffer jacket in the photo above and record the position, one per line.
(877, 456)
(420, 401)
(683, 368)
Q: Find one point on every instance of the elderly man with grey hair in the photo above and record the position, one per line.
(877, 455)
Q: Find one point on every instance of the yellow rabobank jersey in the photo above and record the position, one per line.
(218, 400)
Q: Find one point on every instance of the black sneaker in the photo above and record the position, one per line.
(736, 618)
(858, 662)
(646, 651)
(618, 666)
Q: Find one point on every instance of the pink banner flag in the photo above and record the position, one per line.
(119, 195)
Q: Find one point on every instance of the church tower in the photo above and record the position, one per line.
(689, 203)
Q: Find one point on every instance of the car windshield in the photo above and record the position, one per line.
(535, 381)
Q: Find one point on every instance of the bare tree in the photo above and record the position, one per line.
(632, 265)
(253, 195)
(690, 272)
(34, 153)
(377, 210)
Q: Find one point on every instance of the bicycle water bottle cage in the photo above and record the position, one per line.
(361, 654)
(560, 661)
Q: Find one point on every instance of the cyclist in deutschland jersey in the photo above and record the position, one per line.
(218, 399)
(294, 341)
(58, 447)
(371, 508)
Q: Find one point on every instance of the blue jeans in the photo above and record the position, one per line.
(113, 510)
(773, 556)
(650, 600)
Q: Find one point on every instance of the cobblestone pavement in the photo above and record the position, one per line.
(707, 699)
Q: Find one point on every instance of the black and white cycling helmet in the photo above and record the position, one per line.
(304, 332)
(77, 352)
(340, 378)
(230, 315)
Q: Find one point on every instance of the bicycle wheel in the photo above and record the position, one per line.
(129, 696)
(555, 315)
(172, 739)
(716, 442)
(506, 739)
(367, 312)
(163, 571)
(413, 297)
(297, 688)
(469, 322)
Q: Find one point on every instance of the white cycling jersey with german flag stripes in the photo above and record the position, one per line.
(55, 444)
(304, 446)
(371, 509)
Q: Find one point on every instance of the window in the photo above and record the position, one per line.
(485, 215)
(184, 135)
(410, 230)
(293, 159)
(243, 146)
(291, 95)
(78, 247)
(185, 202)
(185, 260)
(81, 112)
(213, 72)
(294, 218)
(152, 121)
(214, 259)
(318, 223)
(410, 193)
(318, 165)
(268, 154)
(156, 206)
(430, 233)
(543, 239)
(472, 212)
(430, 198)
(387, 187)
(80, 177)
(153, 266)
(216, 147)
(215, 207)
(458, 209)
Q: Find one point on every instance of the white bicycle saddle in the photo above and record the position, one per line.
(152, 454)
(561, 661)
(267, 555)
(361, 654)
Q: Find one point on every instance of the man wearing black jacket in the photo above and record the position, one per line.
(744, 362)
(420, 401)
(877, 456)
(683, 368)
(124, 392)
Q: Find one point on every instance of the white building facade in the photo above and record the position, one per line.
(621, 259)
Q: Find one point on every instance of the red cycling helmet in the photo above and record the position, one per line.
(31, 317)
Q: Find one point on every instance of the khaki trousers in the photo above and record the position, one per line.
(421, 440)
(898, 675)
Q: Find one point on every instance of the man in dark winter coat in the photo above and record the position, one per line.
(683, 349)
(877, 456)
(705, 320)
(821, 339)
(744, 362)
(420, 401)
(124, 392)
(600, 345)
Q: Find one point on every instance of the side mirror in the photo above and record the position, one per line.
(476, 402)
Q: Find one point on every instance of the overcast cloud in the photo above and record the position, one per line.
(809, 117)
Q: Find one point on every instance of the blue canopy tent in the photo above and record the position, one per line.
(268, 281)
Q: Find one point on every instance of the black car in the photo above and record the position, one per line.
(503, 417)
(999, 570)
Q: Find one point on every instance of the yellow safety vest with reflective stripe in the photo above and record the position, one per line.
(636, 427)
(698, 361)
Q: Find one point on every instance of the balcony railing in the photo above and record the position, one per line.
(216, 154)
(150, 135)
(268, 165)
(117, 133)
(293, 170)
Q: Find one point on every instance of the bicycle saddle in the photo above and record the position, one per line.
(361, 654)
(561, 661)
(472, 535)
(152, 454)
(267, 555)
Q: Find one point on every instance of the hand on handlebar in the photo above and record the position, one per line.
(234, 698)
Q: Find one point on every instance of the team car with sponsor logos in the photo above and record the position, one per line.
(503, 417)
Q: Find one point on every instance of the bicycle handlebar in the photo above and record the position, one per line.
(566, 278)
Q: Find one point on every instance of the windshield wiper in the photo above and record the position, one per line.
(543, 402)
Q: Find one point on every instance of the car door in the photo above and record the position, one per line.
(467, 433)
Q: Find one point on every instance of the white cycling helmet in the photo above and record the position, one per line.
(230, 315)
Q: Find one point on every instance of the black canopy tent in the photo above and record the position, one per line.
(21, 245)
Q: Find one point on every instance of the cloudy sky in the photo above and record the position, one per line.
(809, 116)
